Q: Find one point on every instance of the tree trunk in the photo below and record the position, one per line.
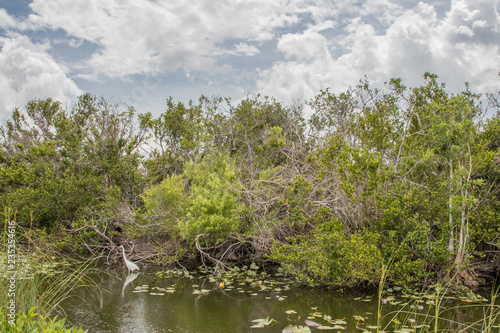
(464, 221)
(451, 244)
(463, 238)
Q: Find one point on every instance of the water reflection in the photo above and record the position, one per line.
(128, 280)
(133, 316)
(150, 303)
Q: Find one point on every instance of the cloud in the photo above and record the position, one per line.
(6, 21)
(29, 72)
(144, 37)
(309, 66)
(289, 49)
(245, 49)
(464, 45)
(304, 47)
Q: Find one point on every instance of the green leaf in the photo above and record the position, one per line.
(325, 328)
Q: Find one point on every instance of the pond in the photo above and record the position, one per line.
(252, 301)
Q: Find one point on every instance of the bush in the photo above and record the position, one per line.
(202, 201)
(166, 202)
(33, 322)
(328, 255)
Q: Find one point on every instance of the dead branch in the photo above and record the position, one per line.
(205, 254)
(219, 263)
(97, 232)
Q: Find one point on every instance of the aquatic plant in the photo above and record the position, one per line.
(42, 279)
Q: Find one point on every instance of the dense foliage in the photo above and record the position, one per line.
(406, 177)
(33, 322)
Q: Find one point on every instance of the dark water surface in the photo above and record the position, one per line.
(157, 302)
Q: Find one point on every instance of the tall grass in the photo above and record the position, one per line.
(442, 304)
(381, 286)
(44, 276)
(492, 313)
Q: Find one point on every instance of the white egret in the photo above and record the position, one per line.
(130, 265)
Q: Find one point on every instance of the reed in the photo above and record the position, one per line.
(493, 310)
(44, 277)
(442, 303)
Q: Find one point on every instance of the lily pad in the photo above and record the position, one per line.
(325, 328)
(312, 323)
(262, 322)
(296, 329)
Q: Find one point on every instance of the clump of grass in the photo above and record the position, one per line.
(443, 302)
(412, 318)
(491, 314)
(493, 311)
(44, 277)
(381, 285)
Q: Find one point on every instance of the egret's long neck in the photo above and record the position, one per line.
(123, 252)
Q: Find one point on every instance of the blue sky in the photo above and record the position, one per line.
(143, 51)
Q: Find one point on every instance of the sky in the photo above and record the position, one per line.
(142, 51)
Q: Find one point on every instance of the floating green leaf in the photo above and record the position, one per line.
(311, 323)
(262, 322)
(296, 329)
(325, 328)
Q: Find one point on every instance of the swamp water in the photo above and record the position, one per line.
(252, 301)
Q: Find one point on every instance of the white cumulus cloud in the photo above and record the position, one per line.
(463, 46)
(289, 49)
(245, 49)
(29, 72)
(143, 36)
(6, 21)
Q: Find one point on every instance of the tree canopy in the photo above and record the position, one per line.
(406, 177)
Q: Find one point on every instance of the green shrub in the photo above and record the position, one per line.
(166, 202)
(329, 255)
(202, 201)
(213, 207)
(33, 322)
